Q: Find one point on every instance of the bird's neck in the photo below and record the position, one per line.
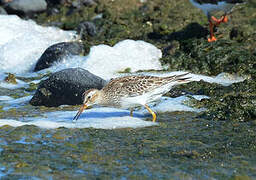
(101, 97)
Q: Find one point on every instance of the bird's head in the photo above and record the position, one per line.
(91, 97)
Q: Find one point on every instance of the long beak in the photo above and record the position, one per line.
(81, 109)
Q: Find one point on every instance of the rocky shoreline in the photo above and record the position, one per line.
(178, 29)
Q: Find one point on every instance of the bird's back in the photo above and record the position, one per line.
(122, 88)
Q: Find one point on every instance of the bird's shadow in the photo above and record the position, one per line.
(192, 30)
(101, 115)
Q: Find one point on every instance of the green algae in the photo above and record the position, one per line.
(32, 87)
(10, 79)
(236, 102)
(212, 58)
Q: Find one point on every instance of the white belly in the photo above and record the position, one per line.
(211, 8)
(152, 96)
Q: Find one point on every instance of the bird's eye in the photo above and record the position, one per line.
(89, 97)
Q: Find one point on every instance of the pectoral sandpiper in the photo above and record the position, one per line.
(131, 91)
(211, 6)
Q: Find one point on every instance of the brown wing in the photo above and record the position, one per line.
(137, 85)
(130, 85)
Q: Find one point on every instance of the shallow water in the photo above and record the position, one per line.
(181, 145)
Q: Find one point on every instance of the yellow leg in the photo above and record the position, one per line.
(131, 112)
(151, 112)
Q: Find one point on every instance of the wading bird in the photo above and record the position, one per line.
(131, 91)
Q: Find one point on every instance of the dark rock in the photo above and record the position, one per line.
(65, 87)
(23, 7)
(2, 11)
(56, 53)
(86, 28)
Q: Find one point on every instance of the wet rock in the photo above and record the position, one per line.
(23, 7)
(85, 29)
(65, 87)
(2, 11)
(56, 53)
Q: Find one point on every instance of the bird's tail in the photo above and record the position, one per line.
(180, 78)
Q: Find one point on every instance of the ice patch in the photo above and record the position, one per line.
(23, 42)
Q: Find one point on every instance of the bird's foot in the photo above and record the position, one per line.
(131, 112)
(151, 112)
(225, 19)
(212, 39)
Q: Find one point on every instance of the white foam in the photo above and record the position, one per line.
(17, 102)
(225, 79)
(137, 55)
(100, 118)
(23, 42)
(106, 61)
(104, 117)
(5, 98)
